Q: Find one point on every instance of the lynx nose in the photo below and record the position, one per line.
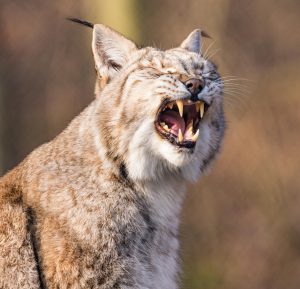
(194, 86)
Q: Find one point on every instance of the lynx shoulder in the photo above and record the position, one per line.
(99, 206)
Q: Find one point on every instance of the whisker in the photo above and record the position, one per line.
(237, 93)
(213, 53)
(233, 77)
(236, 85)
(231, 81)
(235, 104)
(242, 89)
(201, 47)
(237, 88)
(207, 49)
(236, 99)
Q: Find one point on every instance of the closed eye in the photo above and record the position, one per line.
(152, 72)
(212, 75)
(170, 70)
(164, 71)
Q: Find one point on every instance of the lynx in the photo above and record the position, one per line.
(99, 206)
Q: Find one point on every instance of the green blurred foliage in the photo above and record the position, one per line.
(240, 227)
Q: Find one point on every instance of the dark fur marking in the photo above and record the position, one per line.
(216, 125)
(205, 34)
(184, 65)
(31, 226)
(208, 160)
(82, 22)
(170, 82)
(114, 65)
(118, 98)
(125, 79)
(135, 82)
(123, 171)
(147, 238)
(198, 65)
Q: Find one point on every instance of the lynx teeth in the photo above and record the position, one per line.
(180, 107)
(180, 136)
(170, 105)
(166, 128)
(201, 108)
(195, 136)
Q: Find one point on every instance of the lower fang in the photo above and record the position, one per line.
(165, 127)
(180, 136)
(195, 136)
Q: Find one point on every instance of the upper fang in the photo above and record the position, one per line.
(201, 109)
(180, 107)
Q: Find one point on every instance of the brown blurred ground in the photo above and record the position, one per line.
(241, 224)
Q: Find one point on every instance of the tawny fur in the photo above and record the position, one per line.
(99, 206)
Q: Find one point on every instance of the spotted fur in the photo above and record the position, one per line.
(99, 206)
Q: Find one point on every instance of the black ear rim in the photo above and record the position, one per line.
(81, 22)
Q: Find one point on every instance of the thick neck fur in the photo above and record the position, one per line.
(84, 192)
(84, 197)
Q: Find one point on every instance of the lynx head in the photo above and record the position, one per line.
(158, 112)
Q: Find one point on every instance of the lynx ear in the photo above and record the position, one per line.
(111, 51)
(193, 41)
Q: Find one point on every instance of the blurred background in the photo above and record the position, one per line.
(241, 223)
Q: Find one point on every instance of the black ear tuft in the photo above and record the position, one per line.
(82, 22)
(204, 34)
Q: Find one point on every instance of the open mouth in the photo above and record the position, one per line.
(178, 121)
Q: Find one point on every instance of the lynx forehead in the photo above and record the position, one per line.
(99, 206)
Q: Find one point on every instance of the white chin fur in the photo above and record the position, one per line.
(141, 161)
(151, 158)
(170, 152)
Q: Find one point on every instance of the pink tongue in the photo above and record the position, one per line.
(173, 120)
